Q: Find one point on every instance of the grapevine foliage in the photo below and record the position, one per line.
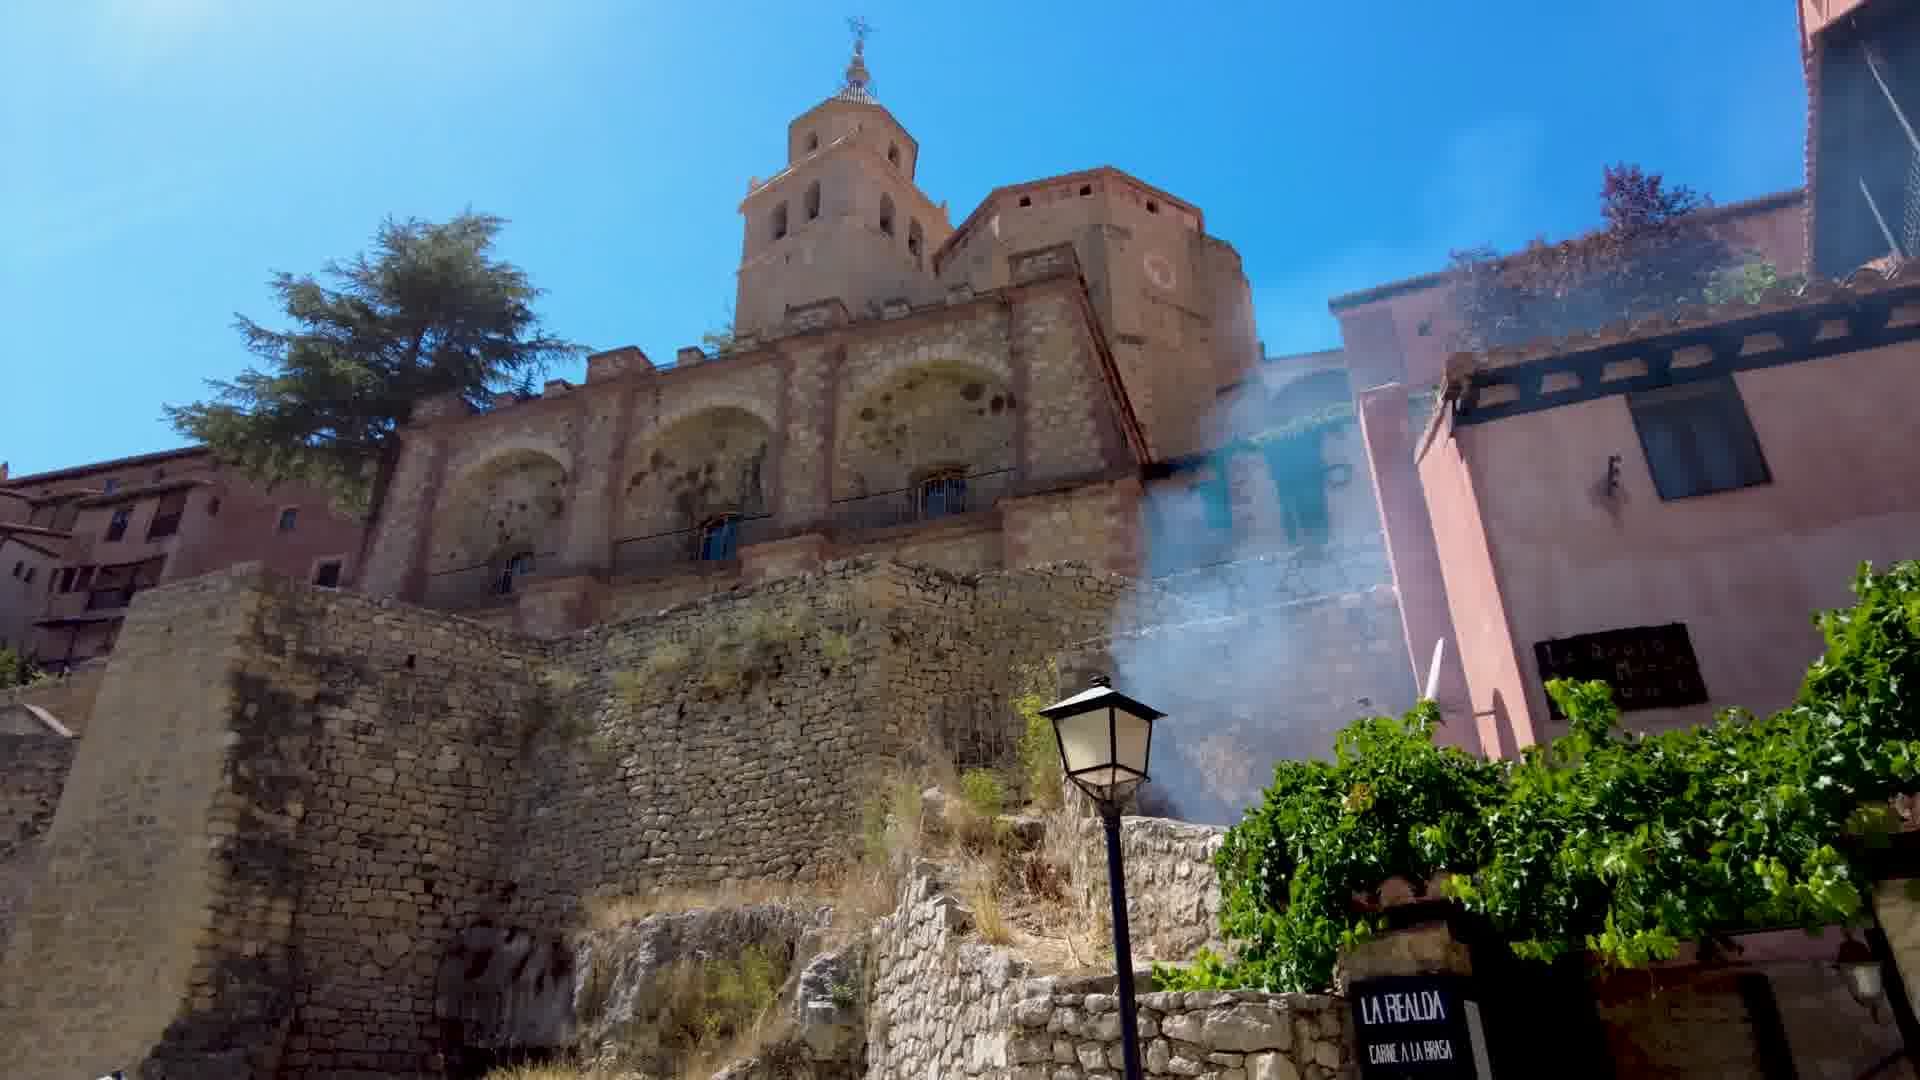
(1622, 846)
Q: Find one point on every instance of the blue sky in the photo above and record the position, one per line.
(159, 157)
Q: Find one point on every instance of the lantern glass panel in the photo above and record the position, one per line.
(1085, 743)
(1130, 742)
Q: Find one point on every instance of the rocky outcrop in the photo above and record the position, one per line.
(625, 976)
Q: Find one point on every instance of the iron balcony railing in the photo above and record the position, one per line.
(715, 541)
(487, 583)
(929, 500)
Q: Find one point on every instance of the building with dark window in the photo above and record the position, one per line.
(1665, 511)
(105, 532)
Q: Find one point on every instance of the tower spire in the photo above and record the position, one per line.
(859, 84)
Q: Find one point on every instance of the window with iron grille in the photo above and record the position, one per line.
(516, 566)
(288, 518)
(117, 527)
(720, 538)
(942, 494)
(1698, 438)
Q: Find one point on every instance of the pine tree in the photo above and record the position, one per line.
(430, 311)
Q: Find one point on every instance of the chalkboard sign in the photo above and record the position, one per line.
(1649, 667)
(1418, 1027)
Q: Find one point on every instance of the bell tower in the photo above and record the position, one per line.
(844, 219)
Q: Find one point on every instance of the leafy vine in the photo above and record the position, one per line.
(1619, 845)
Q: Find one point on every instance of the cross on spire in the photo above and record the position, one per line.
(859, 84)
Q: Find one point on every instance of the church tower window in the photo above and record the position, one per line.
(893, 155)
(813, 200)
(915, 238)
(886, 214)
(780, 221)
(813, 141)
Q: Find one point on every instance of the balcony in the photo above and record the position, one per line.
(716, 541)
(941, 496)
(484, 584)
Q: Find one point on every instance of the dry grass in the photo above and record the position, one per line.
(604, 911)
(549, 1072)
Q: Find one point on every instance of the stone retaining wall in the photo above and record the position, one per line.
(1173, 895)
(736, 737)
(1240, 1035)
(33, 769)
(940, 1003)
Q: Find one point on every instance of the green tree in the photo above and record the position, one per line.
(430, 311)
(1599, 842)
(1749, 281)
(1654, 250)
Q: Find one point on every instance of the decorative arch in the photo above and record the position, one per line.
(707, 464)
(938, 419)
(509, 504)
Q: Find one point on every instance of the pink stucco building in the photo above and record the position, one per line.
(1665, 510)
(1397, 339)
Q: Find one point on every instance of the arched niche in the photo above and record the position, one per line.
(928, 419)
(706, 464)
(512, 503)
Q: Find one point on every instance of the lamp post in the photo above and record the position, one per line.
(1105, 737)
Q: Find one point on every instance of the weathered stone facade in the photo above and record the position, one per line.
(953, 434)
(328, 789)
(1173, 892)
(36, 764)
(270, 840)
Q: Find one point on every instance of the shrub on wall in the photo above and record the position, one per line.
(1624, 846)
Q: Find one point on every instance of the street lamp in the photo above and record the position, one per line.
(1105, 737)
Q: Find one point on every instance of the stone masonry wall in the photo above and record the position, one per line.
(735, 737)
(118, 929)
(1239, 1035)
(278, 821)
(33, 769)
(413, 724)
(939, 1003)
(1173, 893)
(943, 1004)
(724, 739)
